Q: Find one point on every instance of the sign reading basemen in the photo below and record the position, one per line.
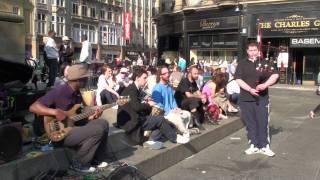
(305, 42)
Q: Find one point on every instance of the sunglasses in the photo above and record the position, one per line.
(164, 73)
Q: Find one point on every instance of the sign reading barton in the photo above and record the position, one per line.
(305, 42)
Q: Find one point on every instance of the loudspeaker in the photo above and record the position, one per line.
(10, 142)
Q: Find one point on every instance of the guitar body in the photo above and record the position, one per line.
(58, 130)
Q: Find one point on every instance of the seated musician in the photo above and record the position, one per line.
(88, 140)
(134, 117)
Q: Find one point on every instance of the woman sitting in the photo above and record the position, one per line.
(106, 93)
(214, 90)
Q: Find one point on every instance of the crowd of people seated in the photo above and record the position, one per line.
(165, 102)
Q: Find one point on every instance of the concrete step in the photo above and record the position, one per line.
(150, 162)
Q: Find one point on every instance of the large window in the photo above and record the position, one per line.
(41, 23)
(109, 15)
(42, 1)
(60, 25)
(102, 14)
(59, 3)
(93, 12)
(80, 29)
(110, 35)
(75, 9)
(84, 11)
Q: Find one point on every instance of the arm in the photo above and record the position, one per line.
(246, 87)
(41, 109)
(157, 97)
(135, 104)
(271, 81)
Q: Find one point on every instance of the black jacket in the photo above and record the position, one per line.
(131, 115)
(65, 55)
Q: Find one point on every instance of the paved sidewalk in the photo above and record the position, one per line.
(295, 87)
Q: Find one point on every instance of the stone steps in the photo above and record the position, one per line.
(150, 162)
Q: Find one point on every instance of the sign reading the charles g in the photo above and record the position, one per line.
(290, 24)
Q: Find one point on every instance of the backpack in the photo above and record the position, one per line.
(212, 113)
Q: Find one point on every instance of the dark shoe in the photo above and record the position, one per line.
(197, 123)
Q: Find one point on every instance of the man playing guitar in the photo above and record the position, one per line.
(88, 140)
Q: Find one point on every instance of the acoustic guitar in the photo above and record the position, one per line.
(58, 130)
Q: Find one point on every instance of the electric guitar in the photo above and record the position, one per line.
(58, 130)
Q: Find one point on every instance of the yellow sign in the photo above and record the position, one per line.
(208, 24)
(293, 24)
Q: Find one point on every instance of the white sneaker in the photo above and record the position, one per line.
(252, 150)
(267, 151)
(154, 145)
(182, 139)
(102, 165)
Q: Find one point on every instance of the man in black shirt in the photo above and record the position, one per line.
(254, 76)
(189, 97)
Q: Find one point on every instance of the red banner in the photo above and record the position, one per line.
(127, 26)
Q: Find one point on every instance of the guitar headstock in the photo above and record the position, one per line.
(122, 100)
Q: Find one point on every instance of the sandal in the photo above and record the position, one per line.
(194, 131)
(233, 110)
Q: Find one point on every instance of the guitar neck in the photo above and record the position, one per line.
(87, 114)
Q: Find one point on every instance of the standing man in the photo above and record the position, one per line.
(66, 52)
(52, 54)
(90, 140)
(86, 51)
(163, 95)
(182, 63)
(254, 77)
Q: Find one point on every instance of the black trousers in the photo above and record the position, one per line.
(159, 123)
(256, 118)
(194, 103)
(53, 71)
(90, 141)
(107, 97)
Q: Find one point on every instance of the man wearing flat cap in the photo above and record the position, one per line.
(89, 140)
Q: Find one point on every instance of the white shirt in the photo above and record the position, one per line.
(102, 84)
(86, 52)
(51, 49)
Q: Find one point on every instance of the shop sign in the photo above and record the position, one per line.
(212, 23)
(289, 24)
(305, 42)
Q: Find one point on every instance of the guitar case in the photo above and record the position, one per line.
(10, 142)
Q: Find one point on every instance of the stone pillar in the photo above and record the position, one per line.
(178, 5)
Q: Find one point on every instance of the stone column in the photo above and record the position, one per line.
(178, 5)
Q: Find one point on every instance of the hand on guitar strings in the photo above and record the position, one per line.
(60, 115)
(98, 112)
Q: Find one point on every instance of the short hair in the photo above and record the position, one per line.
(138, 72)
(159, 71)
(192, 67)
(84, 37)
(252, 44)
(104, 68)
